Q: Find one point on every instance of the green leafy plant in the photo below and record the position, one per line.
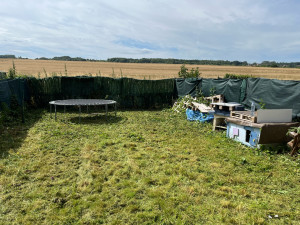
(236, 76)
(294, 129)
(3, 75)
(12, 72)
(200, 97)
(183, 102)
(185, 73)
(212, 91)
(262, 104)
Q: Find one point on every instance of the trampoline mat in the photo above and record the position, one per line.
(78, 102)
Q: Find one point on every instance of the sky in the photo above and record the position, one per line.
(243, 30)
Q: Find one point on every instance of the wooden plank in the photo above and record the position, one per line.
(202, 107)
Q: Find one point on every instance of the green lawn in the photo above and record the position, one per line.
(141, 167)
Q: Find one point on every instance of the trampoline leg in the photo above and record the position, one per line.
(55, 111)
(79, 114)
(64, 109)
(50, 111)
(106, 109)
(115, 109)
(87, 109)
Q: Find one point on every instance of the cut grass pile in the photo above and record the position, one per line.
(141, 167)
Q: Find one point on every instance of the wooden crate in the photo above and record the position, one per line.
(243, 115)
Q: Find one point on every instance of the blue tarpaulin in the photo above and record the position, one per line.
(198, 116)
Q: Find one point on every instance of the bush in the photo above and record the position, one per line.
(236, 76)
(184, 72)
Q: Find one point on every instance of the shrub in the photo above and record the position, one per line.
(185, 73)
(236, 76)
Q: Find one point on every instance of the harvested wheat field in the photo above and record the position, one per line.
(44, 68)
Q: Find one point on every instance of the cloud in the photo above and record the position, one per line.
(191, 29)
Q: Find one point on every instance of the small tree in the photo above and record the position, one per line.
(185, 73)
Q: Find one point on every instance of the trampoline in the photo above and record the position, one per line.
(82, 102)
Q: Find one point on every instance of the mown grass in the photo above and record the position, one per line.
(141, 167)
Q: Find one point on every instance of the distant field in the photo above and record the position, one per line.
(138, 71)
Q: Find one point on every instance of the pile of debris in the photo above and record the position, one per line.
(250, 127)
(294, 144)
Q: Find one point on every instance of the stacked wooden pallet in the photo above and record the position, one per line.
(224, 106)
(244, 115)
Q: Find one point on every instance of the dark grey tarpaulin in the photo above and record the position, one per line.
(188, 86)
(275, 94)
(230, 88)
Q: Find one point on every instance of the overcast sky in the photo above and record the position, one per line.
(244, 30)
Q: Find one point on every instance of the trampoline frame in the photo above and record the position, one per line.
(82, 102)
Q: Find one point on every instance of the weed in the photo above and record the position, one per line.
(45, 72)
(12, 72)
(66, 71)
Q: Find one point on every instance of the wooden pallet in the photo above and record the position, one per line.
(243, 115)
(224, 106)
(215, 99)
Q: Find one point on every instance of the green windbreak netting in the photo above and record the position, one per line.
(5, 92)
(146, 93)
(13, 88)
(129, 93)
(75, 87)
(188, 86)
(42, 91)
(275, 94)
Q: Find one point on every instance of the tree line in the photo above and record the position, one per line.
(172, 61)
